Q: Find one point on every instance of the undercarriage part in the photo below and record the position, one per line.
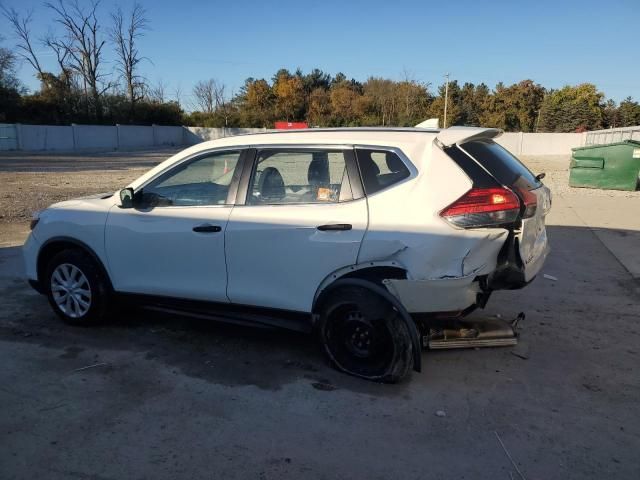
(471, 333)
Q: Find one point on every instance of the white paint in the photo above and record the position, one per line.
(277, 258)
(157, 252)
(274, 255)
(459, 135)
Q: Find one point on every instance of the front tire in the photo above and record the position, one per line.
(76, 288)
(364, 335)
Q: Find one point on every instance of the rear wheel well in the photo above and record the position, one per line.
(377, 274)
(373, 274)
(54, 247)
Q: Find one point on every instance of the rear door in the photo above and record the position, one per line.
(510, 172)
(301, 215)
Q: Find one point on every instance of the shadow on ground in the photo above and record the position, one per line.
(233, 355)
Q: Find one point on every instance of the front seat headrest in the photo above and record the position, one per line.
(271, 184)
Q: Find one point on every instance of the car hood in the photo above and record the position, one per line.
(98, 201)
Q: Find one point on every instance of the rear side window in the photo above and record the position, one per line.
(306, 176)
(506, 168)
(380, 169)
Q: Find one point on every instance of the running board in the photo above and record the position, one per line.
(473, 333)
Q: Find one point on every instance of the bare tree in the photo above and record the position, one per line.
(21, 26)
(61, 52)
(177, 94)
(7, 68)
(158, 93)
(204, 94)
(221, 103)
(210, 97)
(124, 33)
(83, 43)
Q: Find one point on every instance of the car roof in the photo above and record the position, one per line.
(413, 141)
(324, 135)
(356, 135)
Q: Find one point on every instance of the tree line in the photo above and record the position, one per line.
(83, 90)
(333, 101)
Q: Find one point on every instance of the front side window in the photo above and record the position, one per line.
(203, 181)
(305, 176)
(380, 169)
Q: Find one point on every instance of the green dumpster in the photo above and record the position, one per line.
(614, 166)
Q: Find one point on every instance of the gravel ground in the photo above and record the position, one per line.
(31, 182)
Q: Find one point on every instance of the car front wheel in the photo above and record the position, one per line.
(363, 335)
(76, 288)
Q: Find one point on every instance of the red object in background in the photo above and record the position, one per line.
(290, 125)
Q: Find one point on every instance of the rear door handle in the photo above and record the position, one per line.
(334, 227)
(207, 228)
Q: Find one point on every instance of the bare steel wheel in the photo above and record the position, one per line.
(76, 287)
(71, 291)
(364, 335)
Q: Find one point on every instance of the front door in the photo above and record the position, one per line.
(300, 222)
(172, 242)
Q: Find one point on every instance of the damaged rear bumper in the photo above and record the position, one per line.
(437, 295)
(457, 294)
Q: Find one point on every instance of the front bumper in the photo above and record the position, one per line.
(30, 251)
(37, 286)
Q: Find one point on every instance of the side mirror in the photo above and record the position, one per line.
(126, 197)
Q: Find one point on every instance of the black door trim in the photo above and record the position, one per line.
(236, 195)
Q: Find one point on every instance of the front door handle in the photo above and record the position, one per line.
(207, 228)
(334, 227)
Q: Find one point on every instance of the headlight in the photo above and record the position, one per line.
(35, 218)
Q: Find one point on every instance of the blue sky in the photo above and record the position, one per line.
(553, 43)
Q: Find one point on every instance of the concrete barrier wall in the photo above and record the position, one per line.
(45, 137)
(169, 136)
(127, 137)
(541, 144)
(109, 137)
(195, 135)
(133, 136)
(100, 137)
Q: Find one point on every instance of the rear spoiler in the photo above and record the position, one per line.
(459, 135)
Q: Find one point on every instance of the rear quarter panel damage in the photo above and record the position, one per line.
(441, 262)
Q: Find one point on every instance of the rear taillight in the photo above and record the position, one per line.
(530, 201)
(483, 207)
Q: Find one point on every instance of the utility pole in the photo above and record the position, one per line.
(446, 99)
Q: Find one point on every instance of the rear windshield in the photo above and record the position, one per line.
(500, 163)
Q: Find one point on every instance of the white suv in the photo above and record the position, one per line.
(350, 233)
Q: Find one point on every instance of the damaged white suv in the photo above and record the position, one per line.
(355, 234)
